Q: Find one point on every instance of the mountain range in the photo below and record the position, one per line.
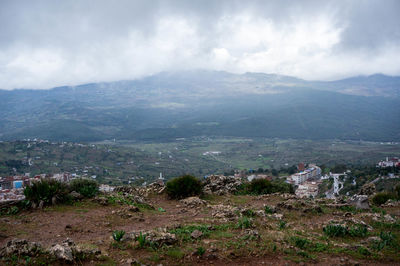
(172, 105)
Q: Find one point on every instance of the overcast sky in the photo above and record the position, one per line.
(51, 43)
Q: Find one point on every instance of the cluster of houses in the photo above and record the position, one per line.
(312, 172)
(393, 162)
(12, 187)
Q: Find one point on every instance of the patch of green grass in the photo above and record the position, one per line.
(244, 223)
(175, 253)
(249, 213)
(200, 251)
(154, 258)
(376, 209)
(335, 230)
(358, 230)
(81, 211)
(221, 235)
(143, 206)
(282, 225)
(268, 209)
(184, 233)
(386, 226)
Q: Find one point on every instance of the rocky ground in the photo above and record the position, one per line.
(219, 228)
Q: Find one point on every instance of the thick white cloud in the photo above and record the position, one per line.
(45, 44)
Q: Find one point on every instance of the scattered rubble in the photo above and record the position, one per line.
(159, 237)
(221, 185)
(193, 202)
(68, 251)
(368, 189)
(143, 192)
(226, 212)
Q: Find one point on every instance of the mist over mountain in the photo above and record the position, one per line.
(173, 105)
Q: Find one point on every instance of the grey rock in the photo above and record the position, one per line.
(64, 251)
(192, 202)
(196, 234)
(75, 195)
(20, 247)
(359, 201)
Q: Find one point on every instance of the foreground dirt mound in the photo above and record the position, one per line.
(143, 226)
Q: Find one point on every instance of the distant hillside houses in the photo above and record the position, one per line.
(313, 171)
(11, 187)
(393, 162)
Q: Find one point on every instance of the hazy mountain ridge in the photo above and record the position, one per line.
(182, 104)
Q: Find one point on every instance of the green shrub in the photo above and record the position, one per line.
(45, 190)
(358, 230)
(142, 240)
(260, 186)
(118, 235)
(244, 223)
(335, 230)
(268, 210)
(263, 186)
(382, 197)
(300, 242)
(200, 251)
(386, 239)
(86, 187)
(184, 186)
(282, 225)
(249, 213)
(364, 251)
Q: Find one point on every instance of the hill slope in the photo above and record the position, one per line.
(170, 105)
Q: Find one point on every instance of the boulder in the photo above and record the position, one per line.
(196, 234)
(64, 251)
(359, 201)
(75, 195)
(20, 247)
(193, 202)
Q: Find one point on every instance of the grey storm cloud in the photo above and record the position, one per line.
(51, 43)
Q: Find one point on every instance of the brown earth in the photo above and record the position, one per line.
(89, 223)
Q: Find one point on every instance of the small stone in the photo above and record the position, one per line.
(196, 234)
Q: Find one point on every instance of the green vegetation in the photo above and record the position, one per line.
(142, 240)
(184, 186)
(85, 187)
(184, 233)
(382, 197)
(118, 235)
(244, 223)
(48, 191)
(268, 210)
(200, 251)
(386, 239)
(337, 230)
(118, 163)
(263, 186)
(282, 224)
